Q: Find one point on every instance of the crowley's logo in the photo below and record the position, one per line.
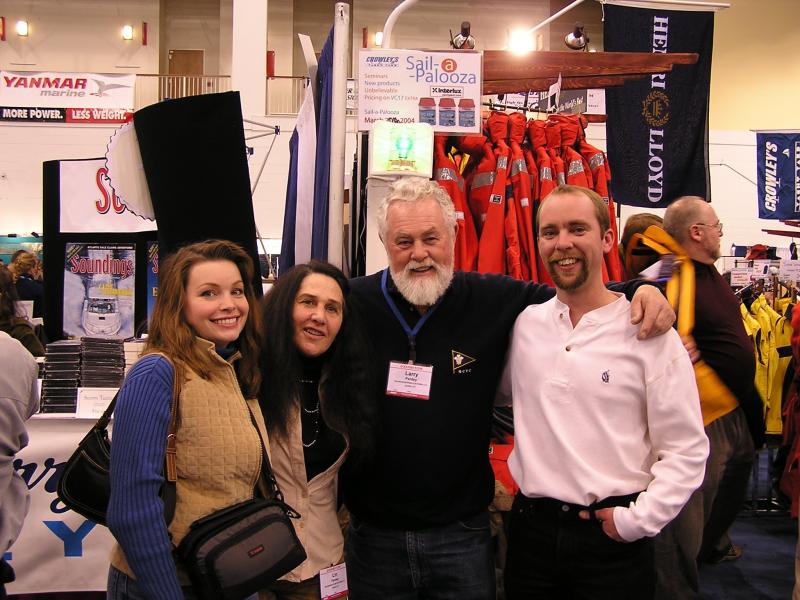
(461, 360)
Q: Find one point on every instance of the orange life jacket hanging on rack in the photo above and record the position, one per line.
(492, 256)
(479, 187)
(577, 169)
(553, 136)
(521, 186)
(601, 175)
(446, 174)
(538, 140)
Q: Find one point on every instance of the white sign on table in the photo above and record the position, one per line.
(58, 550)
(93, 402)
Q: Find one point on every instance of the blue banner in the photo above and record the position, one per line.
(778, 160)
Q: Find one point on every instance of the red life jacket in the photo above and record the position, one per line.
(601, 174)
(491, 253)
(538, 139)
(521, 186)
(571, 131)
(533, 173)
(480, 185)
(447, 176)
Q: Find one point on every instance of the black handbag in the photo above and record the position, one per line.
(84, 485)
(238, 550)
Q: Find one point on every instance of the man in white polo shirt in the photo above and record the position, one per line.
(609, 437)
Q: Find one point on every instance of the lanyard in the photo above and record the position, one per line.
(410, 333)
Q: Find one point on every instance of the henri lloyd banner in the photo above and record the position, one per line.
(47, 97)
(658, 126)
(778, 159)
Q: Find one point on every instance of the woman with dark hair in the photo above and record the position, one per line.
(315, 400)
(205, 337)
(16, 327)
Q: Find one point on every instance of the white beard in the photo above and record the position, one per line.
(423, 291)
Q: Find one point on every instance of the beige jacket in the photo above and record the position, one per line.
(218, 450)
(318, 527)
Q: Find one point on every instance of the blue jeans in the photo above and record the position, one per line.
(122, 587)
(451, 562)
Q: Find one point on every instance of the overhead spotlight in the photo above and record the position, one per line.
(22, 28)
(379, 38)
(127, 32)
(464, 40)
(520, 42)
(576, 40)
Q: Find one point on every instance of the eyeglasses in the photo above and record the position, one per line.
(717, 225)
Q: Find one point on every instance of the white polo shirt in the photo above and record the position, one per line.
(598, 413)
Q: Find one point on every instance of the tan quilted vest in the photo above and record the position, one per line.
(218, 452)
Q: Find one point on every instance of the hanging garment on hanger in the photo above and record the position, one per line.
(577, 171)
(491, 245)
(446, 174)
(601, 176)
(779, 359)
(479, 186)
(521, 186)
(553, 135)
(538, 140)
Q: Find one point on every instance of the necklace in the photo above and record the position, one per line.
(309, 411)
(314, 412)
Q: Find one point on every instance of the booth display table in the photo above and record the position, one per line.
(57, 550)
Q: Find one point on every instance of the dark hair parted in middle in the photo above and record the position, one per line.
(346, 383)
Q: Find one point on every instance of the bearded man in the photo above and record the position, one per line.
(419, 521)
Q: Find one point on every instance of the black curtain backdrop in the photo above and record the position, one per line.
(195, 161)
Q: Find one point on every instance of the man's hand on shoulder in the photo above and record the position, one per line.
(650, 308)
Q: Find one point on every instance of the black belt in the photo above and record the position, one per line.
(566, 509)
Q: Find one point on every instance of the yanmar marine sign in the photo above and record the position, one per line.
(48, 97)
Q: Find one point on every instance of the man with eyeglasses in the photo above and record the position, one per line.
(699, 533)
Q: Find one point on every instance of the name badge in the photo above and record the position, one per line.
(333, 582)
(409, 380)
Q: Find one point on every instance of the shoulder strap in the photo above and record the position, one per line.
(170, 467)
(266, 468)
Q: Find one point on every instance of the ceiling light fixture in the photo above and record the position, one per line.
(127, 32)
(22, 28)
(464, 40)
(577, 39)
